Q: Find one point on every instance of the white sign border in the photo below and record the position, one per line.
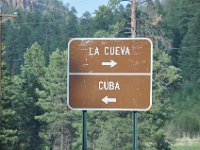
(109, 109)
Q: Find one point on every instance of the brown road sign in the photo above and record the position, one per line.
(110, 74)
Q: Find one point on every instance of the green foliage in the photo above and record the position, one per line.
(34, 63)
(177, 22)
(56, 118)
(51, 29)
(187, 147)
(189, 57)
(86, 25)
(7, 131)
(165, 75)
(182, 23)
(101, 34)
(103, 18)
(25, 107)
(187, 117)
(110, 130)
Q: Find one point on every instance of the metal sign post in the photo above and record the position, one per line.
(84, 134)
(135, 129)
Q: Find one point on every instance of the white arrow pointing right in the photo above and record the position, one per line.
(111, 63)
(107, 100)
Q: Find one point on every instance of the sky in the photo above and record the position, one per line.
(85, 5)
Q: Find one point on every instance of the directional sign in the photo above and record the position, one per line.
(110, 74)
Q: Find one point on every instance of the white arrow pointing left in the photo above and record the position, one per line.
(107, 100)
(111, 63)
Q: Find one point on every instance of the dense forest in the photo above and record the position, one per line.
(33, 110)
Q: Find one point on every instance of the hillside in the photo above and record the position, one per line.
(31, 5)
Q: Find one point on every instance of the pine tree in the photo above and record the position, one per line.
(8, 136)
(56, 118)
(189, 56)
(25, 104)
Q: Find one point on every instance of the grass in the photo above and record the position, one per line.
(187, 144)
(187, 147)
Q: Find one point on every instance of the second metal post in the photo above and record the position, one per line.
(84, 134)
(135, 131)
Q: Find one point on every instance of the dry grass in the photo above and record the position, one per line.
(187, 143)
(187, 140)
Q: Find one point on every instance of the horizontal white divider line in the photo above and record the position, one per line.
(109, 74)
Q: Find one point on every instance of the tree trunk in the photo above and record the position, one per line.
(61, 140)
(133, 18)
